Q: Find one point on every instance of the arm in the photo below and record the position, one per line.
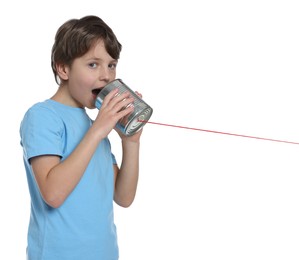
(126, 178)
(56, 179)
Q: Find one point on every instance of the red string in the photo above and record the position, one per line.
(217, 132)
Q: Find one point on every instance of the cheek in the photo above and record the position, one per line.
(113, 73)
(82, 80)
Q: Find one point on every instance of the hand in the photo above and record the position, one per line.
(114, 107)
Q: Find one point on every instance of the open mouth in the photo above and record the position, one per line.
(96, 91)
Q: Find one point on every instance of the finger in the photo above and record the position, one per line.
(124, 112)
(123, 104)
(110, 96)
(138, 94)
(123, 98)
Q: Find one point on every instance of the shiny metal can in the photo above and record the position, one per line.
(134, 122)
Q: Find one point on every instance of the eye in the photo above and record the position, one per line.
(112, 66)
(92, 65)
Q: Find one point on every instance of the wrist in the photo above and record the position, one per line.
(96, 135)
(129, 142)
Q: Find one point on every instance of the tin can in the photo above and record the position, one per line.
(134, 122)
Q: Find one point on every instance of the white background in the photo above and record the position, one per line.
(228, 66)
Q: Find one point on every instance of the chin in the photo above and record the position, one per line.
(91, 105)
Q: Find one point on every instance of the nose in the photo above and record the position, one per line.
(105, 74)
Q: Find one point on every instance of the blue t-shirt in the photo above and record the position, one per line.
(82, 228)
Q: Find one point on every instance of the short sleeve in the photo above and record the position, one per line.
(41, 132)
(112, 155)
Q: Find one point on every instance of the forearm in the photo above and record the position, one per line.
(127, 177)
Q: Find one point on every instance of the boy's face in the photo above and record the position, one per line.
(87, 75)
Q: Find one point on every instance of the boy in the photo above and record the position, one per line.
(72, 175)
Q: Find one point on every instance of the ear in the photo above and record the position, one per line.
(62, 71)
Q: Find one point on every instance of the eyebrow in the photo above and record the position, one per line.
(99, 59)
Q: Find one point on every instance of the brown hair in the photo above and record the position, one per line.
(76, 36)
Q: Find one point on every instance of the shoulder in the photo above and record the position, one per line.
(40, 108)
(41, 116)
(42, 111)
(41, 131)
